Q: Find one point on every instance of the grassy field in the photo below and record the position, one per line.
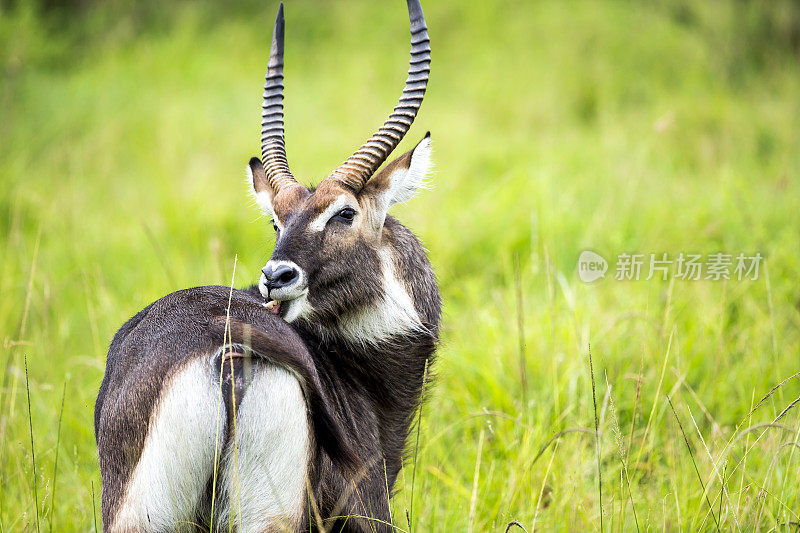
(613, 126)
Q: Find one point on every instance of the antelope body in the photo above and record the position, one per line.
(285, 406)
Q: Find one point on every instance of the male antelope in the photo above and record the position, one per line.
(286, 405)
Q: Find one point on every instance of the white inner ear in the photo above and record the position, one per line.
(262, 198)
(406, 182)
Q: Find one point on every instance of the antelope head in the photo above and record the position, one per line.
(335, 256)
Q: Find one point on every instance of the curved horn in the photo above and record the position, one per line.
(273, 146)
(359, 167)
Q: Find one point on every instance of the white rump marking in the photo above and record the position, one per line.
(264, 484)
(394, 314)
(318, 224)
(178, 455)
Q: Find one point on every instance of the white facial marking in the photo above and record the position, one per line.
(178, 455)
(394, 314)
(319, 223)
(264, 483)
(262, 286)
(277, 222)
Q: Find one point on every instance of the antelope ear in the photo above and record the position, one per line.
(400, 180)
(260, 188)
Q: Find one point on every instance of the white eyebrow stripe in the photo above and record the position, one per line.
(318, 224)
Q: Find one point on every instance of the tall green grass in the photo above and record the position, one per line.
(557, 127)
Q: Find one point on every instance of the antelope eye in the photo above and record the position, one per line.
(345, 216)
(275, 226)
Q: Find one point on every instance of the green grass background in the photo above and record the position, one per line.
(558, 126)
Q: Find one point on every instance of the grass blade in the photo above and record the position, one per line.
(33, 449)
(94, 509)
(597, 438)
(541, 492)
(474, 498)
(523, 360)
(55, 463)
(219, 422)
(691, 456)
(655, 401)
(622, 458)
(416, 448)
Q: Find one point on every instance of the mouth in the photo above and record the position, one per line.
(274, 306)
(289, 309)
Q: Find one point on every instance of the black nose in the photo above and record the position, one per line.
(280, 276)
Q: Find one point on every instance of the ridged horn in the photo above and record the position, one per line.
(273, 145)
(359, 167)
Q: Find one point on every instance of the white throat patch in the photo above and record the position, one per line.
(393, 315)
